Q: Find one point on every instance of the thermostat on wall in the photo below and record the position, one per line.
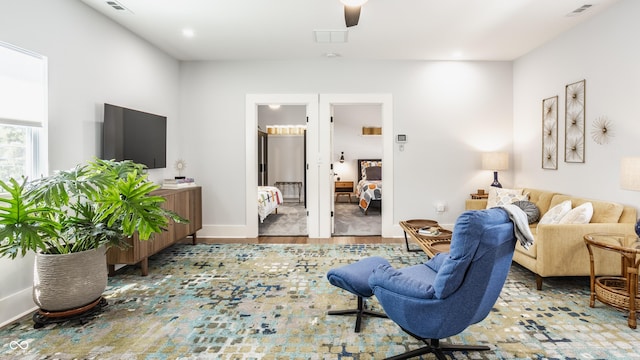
(401, 138)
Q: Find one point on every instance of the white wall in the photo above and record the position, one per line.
(602, 52)
(91, 61)
(450, 112)
(348, 121)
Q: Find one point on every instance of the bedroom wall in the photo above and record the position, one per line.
(348, 121)
(599, 52)
(450, 111)
(91, 61)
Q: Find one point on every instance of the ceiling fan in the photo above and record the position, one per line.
(352, 11)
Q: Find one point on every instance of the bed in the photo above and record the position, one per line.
(369, 188)
(269, 198)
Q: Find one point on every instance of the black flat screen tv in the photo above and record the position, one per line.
(129, 134)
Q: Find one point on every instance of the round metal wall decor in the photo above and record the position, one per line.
(602, 130)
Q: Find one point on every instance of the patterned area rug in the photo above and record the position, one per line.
(242, 301)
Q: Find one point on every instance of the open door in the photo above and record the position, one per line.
(263, 169)
(332, 177)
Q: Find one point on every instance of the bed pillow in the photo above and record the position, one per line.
(373, 173)
(500, 196)
(556, 213)
(579, 215)
(529, 208)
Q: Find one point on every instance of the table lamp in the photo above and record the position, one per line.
(630, 178)
(495, 161)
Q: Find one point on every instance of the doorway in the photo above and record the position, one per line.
(253, 101)
(281, 166)
(352, 142)
(326, 180)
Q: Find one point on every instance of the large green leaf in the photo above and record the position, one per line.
(24, 225)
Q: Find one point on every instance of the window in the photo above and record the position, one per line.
(23, 113)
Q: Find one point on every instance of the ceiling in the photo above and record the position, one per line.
(388, 29)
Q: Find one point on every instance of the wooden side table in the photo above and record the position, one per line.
(344, 188)
(430, 244)
(618, 291)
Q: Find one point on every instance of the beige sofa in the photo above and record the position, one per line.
(559, 249)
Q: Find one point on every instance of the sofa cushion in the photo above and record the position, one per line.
(556, 213)
(603, 211)
(541, 198)
(529, 208)
(581, 214)
(500, 196)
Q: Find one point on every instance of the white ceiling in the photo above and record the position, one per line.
(388, 29)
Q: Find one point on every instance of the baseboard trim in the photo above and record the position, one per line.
(16, 306)
(223, 231)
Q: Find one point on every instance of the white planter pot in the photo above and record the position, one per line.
(69, 281)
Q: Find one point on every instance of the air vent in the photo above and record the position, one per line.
(579, 10)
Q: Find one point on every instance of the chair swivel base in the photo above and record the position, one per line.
(434, 346)
(360, 312)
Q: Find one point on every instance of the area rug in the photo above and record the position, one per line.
(247, 301)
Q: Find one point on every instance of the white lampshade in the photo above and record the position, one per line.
(495, 161)
(630, 173)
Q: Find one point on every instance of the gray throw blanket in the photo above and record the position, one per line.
(520, 225)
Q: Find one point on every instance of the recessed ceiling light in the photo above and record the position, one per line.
(274, 106)
(332, 55)
(189, 33)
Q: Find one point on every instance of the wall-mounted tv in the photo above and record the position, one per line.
(129, 134)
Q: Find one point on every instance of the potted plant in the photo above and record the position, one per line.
(70, 219)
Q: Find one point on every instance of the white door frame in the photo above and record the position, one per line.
(251, 123)
(325, 193)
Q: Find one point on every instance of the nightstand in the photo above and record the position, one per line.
(344, 188)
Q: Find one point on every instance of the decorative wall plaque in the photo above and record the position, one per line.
(550, 133)
(574, 122)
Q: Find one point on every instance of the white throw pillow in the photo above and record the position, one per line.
(556, 213)
(499, 196)
(579, 215)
